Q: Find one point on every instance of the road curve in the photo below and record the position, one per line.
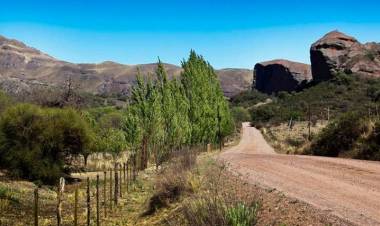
(347, 188)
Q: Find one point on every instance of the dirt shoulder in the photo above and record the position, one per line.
(343, 188)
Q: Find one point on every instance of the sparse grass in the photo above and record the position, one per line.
(291, 141)
(208, 184)
(218, 197)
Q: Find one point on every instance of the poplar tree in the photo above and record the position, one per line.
(209, 113)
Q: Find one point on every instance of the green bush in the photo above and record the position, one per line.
(242, 215)
(343, 79)
(36, 142)
(370, 147)
(340, 135)
(373, 91)
(216, 211)
(248, 98)
(240, 114)
(8, 194)
(263, 114)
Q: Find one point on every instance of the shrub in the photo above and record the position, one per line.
(240, 114)
(370, 147)
(8, 194)
(343, 79)
(373, 91)
(216, 211)
(242, 215)
(340, 135)
(248, 98)
(36, 142)
(263, 114)
(223, 199)
(173, 181)
(205, 211)
(295, 142)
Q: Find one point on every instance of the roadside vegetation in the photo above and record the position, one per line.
(161, 117)
(350, 135)
(162, 128)
(339, 95)
(285, 120)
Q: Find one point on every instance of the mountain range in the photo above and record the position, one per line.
(22, 67)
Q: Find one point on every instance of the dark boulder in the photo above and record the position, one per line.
(281, 75)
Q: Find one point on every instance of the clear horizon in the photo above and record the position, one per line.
(228, 34)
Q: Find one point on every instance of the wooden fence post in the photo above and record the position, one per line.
(120, 181)
(134, 167)
(36, 207)
(124, 168)
(60, 190)
(128, 175)
(111, 189)
(97, 201)
(105, 194)
(116, 195)
(76, 207)
(88, 202)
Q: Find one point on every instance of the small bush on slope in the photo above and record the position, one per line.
(351, 135)
(248, 98)
(240, 115)
(370, 146)
(339, 136)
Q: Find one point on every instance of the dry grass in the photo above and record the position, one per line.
(220, 200)
(18, 201)
(188, 190)
(99, 161)
(172, 181)
(291, 141)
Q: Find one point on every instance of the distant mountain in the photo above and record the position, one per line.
(22, 67)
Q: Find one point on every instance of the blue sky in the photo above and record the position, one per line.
(231, 33)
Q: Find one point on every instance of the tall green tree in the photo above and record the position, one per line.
(146, 107)
(209, 113)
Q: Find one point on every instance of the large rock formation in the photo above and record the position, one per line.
(22, 67)
(281, 75)
(338, 52)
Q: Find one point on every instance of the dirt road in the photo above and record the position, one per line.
(347, 188)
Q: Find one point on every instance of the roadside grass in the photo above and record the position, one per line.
(186, 191)
(291, 141)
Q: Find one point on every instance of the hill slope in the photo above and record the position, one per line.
(22, 66)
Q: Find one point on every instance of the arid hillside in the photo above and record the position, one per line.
(22, 67)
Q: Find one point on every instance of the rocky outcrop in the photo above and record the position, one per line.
(337, 52)
(22, 66)
(281, 75)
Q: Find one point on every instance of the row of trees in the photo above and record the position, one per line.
(162, 116)
(165, 115)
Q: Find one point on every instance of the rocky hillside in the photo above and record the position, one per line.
(22, 67)
(338, 52)
(281, 75)
(333, 53)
